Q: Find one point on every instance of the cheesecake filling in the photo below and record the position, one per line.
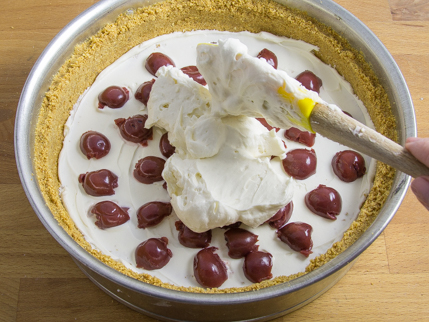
(197, 158)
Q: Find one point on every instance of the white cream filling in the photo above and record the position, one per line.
(120, 242)
(221, 172)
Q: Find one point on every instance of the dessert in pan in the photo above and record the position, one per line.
(181, 156)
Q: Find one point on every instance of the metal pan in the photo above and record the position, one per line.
(173, 305)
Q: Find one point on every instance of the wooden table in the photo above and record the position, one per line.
(40, 282)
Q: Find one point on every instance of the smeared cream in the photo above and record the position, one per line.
(242, 84)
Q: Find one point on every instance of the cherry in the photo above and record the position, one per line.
(143, 91)
(240, 242)
(297, 235)
(190, 239)
(269, 56)
(303, 137)
(348, 114)
(152, 213)
(209, 269)
(234, 225)
(99, 183)
(149, 169)
(194, 73)
(132, 129)
(282, 216)
(265, 123)
(165, 147)
(310, 81)
(257, 266)
(348, 165)
(109, 214)
(324, 201)
(94, 145)
(300, 163)
(113, 97)
(156, 61)
(153, 253)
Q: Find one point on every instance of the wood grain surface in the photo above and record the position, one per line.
(40, 282)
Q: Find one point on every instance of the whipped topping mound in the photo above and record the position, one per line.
(221, 172)
(242, 84)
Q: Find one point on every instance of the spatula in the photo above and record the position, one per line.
(339, 127)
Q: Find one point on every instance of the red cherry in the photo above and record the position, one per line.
(132, 129)
(194, 73)
(300, 163)
(165, 147)
(149, 169)
(109, 214)
(265, 123)
(94, 145)
(324, 201)
(297, 235)
(153, 253)
(113, 97)
(209, 269)
(257, 266)
(99, 183)
(303, 137)
(156, 60)
(240, 242)
(190, 239)
(143, 92)
(269, 56)
(282, 216)
(348, 165)
(152, 213)
(310, 81)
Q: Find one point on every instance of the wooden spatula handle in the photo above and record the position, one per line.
(339, 127)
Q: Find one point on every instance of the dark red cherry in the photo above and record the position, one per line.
(265, 123)
(269, 56)
(165, 147)
(240, 242)
(132, 129)
(152, 213)
(156, 61)
(257, 266)
(348, 165)
(194, 73)
(209, 270)
(113, 97)
(190, 239)
(99, 183)
(303, 137)
(310, 81)
(94, 145)
(300, 163)
(109, 214)
(234, 225)
(149, 169)
(297, 235)
(143, 91)
(348, 114)
(324, 201)
(153, 253)
(282, 216)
